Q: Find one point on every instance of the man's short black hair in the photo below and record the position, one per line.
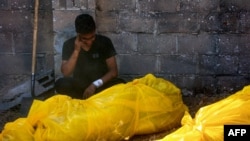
(84, 24)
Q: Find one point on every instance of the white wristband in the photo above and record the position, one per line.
(98, 83)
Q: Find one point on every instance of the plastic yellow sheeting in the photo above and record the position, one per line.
(209, 120)
(145, 105)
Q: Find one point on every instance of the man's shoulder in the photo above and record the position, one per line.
(70, 40)
(102, 37)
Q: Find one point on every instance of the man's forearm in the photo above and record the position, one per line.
(109, 75)
(113, 71)
(68, 66)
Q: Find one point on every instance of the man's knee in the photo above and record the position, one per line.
(63, 85)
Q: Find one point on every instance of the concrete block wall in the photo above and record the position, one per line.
(16, 39)
(201, 45)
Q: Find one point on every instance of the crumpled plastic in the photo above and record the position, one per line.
(209, 121)
(142, 106)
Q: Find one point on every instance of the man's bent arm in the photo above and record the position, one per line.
(112, 70)
(68, 66)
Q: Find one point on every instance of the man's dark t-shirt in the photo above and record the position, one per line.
(91, 65)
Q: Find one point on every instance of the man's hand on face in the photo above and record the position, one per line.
(89, 91)
(78, 43)
(86, 40)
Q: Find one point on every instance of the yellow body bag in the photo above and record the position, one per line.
(209, 120)
(142, 106)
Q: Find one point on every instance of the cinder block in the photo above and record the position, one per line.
(197, 44)
(23, 42)
(16, 64)
(45, 43)
(45, 5)
(59, 22)
(229, 22)
(124, 43)
(135, 22)
(57, 65)
(45, 22)
(16, 21)
(103, 5)
(159, 5)
(18, 4)
(61, 37)
(77, 4)
(4, 5)
(137, 64)
(210, 22)
(107, 21)
(6, 42)
(186, 81)
(158, 44)
(59, 4)
(233, 44)
(44, 61)
(242, 4)
(27, 4)
(244, 64)
(226, 21)
(21, 63)
(207, 64)
(199, 5)
(92, 4)
(229, 44)
(227, 65)
(244, 22)
(178, 23)
(178, 64)
(49, 62)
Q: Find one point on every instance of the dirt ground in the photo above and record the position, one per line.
(193, 102)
